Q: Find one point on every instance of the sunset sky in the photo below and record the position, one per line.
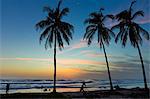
(21, 55)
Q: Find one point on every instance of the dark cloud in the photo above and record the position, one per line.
(128, 68)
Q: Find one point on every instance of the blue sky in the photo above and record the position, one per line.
(20, 48)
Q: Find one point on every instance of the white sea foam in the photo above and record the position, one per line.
(65, 85)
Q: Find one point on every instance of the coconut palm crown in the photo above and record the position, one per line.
(55, 30)
(96, 26)
(129, 29)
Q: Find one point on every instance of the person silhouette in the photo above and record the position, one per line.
(7, 88)
(117, 87)
(82, 87)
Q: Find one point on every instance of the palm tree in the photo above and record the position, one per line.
(55, 30)
(128, 28)
(95, 24)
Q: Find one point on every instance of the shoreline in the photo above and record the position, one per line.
(120, 93)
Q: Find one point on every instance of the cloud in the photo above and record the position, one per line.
(111, 24)
(81, 44)
(119, 70)
(144, 21)
(79, 62)
(93, 54)
(65, 62)
(130, 65)
(85, 51)
(26, 59)
(136, 59)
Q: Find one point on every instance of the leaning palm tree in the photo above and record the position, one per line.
(128, 28)
(55, 30)
(95, 24)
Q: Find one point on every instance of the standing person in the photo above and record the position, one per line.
(82, 87)
(7, 88)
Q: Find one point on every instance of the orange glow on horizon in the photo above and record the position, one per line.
(42, 72)
(43, 68)
(69, 73)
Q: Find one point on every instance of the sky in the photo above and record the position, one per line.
(22, 57)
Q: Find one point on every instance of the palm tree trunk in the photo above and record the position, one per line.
(111, 86)
(54, 90)
(144, 75)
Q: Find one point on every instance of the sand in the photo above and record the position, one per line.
(116, 94)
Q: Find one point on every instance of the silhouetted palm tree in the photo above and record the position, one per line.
(95, 24)
(128, 28)
(55, 30)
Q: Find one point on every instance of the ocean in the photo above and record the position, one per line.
(36, 86)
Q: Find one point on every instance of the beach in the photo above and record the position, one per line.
(64, 85)
(70, 89)
(116, 94)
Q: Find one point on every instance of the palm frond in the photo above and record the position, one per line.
(108, 16)
(106, 37)
(118, 26)
(59, 3)
(101, 9)
(48, 9)
(95, 15)
(144, 33)
(66, 29)
(90, 27)
(90, 30)
(64, 12)
(140, 41)
(128, 28)
(42, 24)
(95, 23)
(46, 43)
(51, 12)
(118, 36)
(110, 32)
(60, 41)
(132, 4)
(122, 15)
(132, 37)
(51, 37)
(124, 39)
(45, 33)
(69, 26)
(90, 38)
(138, 13)
(99, 36)
(66, 36)
(89, 35)
(54, 28)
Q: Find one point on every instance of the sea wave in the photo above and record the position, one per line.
(41, 84)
